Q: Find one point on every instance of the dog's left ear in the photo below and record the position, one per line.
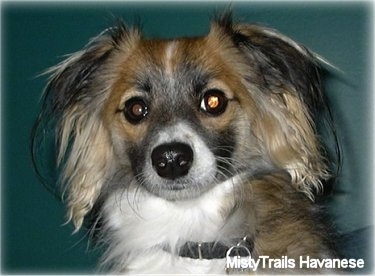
(283, 79)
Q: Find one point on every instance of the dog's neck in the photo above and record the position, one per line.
(140, 222)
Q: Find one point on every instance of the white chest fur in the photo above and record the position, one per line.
(140, 225)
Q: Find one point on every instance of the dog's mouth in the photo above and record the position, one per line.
(178, 189)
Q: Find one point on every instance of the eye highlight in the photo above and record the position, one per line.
(214, 102)
(135, 110)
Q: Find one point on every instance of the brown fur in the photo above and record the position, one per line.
(286, 222)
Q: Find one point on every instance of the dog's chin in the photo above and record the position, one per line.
(178, 190)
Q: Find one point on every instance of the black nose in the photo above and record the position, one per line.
(172, 160)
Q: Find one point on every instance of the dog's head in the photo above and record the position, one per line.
(180, 116)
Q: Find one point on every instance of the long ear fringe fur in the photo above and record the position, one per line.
(287, 113)
(73, 99)
(89, 162)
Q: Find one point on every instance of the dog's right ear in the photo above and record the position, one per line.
(70, 79)
(74, 99)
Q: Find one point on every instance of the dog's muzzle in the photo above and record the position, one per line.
(172, 160)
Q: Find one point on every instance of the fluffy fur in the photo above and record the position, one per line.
(256, 163)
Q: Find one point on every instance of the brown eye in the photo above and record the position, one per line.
(214, 102)
(135, 110)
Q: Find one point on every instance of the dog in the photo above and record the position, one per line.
(177, 151)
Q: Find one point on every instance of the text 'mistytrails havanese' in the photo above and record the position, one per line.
(180, 150)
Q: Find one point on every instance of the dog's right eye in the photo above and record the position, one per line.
(135, 110)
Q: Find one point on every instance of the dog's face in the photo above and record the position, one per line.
(177, 117)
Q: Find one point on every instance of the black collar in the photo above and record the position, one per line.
(214, 250)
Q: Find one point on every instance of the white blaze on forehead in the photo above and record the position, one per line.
(169, 52)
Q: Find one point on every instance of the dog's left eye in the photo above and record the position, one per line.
(135, 110)
(214, 102)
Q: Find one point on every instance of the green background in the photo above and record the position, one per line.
(36, 36)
